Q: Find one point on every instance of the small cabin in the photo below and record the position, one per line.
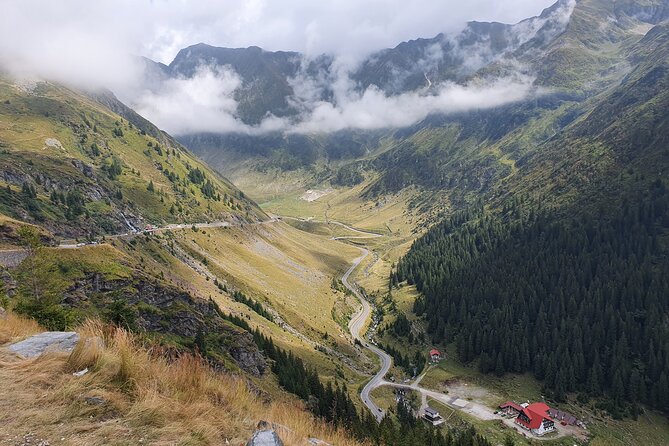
(431, 415)
(435, 355)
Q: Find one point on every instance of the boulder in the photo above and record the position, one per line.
(48, 341)
(265, 436)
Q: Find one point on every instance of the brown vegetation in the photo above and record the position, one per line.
(133, 394)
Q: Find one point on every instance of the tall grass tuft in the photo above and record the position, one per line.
(14, 327)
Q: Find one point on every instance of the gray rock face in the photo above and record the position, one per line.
(47, 341)
(12, 258)
(265, 438)
(173, 311)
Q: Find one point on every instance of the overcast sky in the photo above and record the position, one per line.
(159, 28)
(88, 43)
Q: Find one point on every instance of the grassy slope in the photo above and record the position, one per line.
(146, 399)
(283, 268)
(28, 117)
(278, 266)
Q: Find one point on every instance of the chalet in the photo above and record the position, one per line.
(435, 355)
(511, 408)
(535, 418)
(432, 416)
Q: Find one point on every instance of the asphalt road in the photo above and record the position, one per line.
(357, 323)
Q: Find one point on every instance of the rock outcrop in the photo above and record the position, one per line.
(265, 436)
(48, 341)
(161, 308)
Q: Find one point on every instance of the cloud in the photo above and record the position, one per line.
(374, 109)
(205, 103)
(201, 103)
(329, 100)
(92, 44)
(33, 29)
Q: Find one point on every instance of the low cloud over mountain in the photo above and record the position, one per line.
(330, 84)
(253, 91)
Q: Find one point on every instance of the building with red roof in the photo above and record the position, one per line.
(435, 355)
(535, 418)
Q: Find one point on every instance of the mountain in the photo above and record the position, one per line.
(532, 232)
(269, 80)
(573, 51)
(110, 227)
(560, 199)
(576, 235)
(265, 76)
(74, 165)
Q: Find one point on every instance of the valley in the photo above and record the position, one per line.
(460, 240)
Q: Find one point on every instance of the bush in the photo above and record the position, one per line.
(49, 315)
(122, 314)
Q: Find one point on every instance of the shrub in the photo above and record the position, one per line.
(49, 315)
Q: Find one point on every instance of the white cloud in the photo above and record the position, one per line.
(205, 103)
(374, 109)
(201, 103)
(89, 44)
(159, 28)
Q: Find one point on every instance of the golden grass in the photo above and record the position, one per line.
(146, 397)
(290, 270)
(14, 327)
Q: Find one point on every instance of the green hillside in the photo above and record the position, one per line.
(570, 258)
(77, 168)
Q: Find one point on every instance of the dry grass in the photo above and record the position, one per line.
(15, 327)
(146, 397)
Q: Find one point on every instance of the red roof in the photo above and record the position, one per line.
(537, 413)
(513, 405)
(434, 352)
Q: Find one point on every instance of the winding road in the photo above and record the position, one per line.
(357, 322)
(356, 326)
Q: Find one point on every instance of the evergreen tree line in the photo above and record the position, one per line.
(256, 306)
(580, 301)
(74, 201)
(411, 366)
(401, 326)
(196, 176)
(330, 403)
(333, 404)
(235, 320)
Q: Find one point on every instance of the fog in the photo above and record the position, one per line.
(94, 45)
